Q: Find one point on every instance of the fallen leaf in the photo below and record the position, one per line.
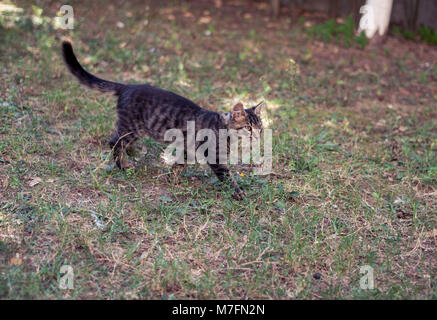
(402, 129)
(87, 59)
(16, 261)
(205, 20)
(34, 181)
(404, 92)
(6, 182)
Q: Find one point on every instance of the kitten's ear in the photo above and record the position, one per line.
(238, 113)
(258, 107)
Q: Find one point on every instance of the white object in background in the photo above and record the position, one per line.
(376, 17)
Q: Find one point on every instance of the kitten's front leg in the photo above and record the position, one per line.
(119, 144)
(222, 172)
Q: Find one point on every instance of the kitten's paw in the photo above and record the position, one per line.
(128, 164)
(239, 195)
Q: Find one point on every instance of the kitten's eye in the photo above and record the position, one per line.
(248, 128)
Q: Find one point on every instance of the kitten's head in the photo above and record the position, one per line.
(246, 119)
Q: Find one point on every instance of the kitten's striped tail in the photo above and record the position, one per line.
(84, 76)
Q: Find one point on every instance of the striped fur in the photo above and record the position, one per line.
(147, 110)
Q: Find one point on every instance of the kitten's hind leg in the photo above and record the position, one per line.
(130, 149)
(222, 172)
(119, 143)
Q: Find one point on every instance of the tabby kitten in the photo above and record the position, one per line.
(146, 110)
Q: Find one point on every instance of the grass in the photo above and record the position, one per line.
(424, 33)
(342, 33)
(355, 163)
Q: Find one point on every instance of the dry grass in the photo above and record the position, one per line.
(355, 163)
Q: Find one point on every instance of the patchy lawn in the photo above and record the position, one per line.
(355, 160)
